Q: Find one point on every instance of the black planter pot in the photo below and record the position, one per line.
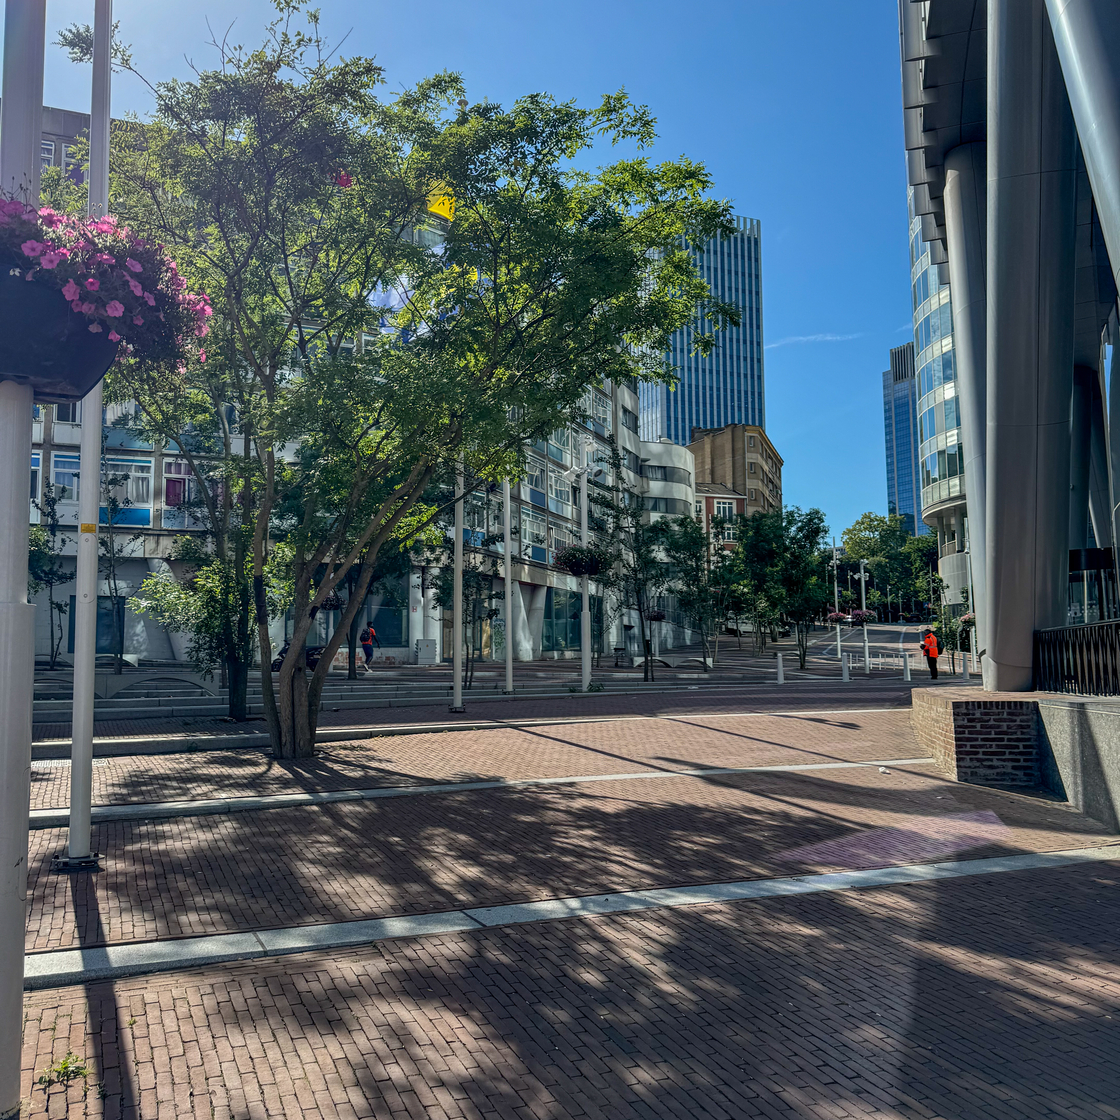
(46, 345)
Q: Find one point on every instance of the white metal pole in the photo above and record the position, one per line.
(507, 515)
(781, 671)
(844, 673)
(457, 599)
(906, 666)
(836, 596)
(585, 614)
(863, 607)
(21, 130)
(80, 850)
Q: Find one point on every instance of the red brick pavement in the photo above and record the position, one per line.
(680, 741)
(988, 998)
(337, 862)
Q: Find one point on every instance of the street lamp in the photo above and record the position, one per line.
(836, 594)
(863, 577)
(584, 473)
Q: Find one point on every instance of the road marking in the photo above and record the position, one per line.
(63, 967)
(151, 810)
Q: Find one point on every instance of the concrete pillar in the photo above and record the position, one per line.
(966, 238)
(1031, 194)
(522, 636)
(416, 625)
(535, 614)
(1080, 437)
(1114, 438)
(1087, 40)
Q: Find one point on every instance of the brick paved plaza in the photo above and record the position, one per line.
(991, 995)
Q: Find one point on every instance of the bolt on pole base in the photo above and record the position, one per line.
(64, 864)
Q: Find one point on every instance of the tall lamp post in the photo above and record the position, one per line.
(21, 129)
(863, 578)
(80, 855)
(583, 475)
(457, 598)
(836, 594)
(507, 526)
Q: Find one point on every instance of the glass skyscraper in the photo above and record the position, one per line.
(725, 386)
(900, 423)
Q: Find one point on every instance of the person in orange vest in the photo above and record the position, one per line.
(931, 648)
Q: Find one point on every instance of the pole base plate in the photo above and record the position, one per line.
(76, 863)
(457, 710)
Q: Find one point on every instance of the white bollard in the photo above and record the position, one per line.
(964, 665)
(906, 666)
(844, 667)
(781, 671)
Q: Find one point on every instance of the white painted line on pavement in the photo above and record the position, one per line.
(62, 967)
(58, 818)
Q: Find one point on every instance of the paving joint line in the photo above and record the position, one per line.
(165, 810)
(58, 968)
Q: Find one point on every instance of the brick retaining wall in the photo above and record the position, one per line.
(989, 741)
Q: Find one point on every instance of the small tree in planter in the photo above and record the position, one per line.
(77, 293)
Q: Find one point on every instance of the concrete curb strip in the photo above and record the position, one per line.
(64, 967)
(59, 818)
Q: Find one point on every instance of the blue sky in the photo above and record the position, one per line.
(793, 105)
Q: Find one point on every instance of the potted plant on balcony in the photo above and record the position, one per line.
(78, 293)
(582, 560)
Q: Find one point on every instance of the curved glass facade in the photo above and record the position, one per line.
(939, 416)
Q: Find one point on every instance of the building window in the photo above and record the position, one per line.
(753, 495)
(533, 533)
(699, 509)
(629, 420)
(751, 441)
(71, 165)
(559, 445)
(655, 474)
(559, 493)
(65, 471)
(70, 412)
(46, 153)
(601, 412)
(750, 467)
(130, 484)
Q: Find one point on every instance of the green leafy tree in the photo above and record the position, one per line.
(757, 558)
(805, 590)
(700, 570)
(298, 199)
(46, 567)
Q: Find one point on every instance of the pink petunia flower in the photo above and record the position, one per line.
(95, 328)
(114, 309)
(93, 284)
(202, 355)
(50, 259)
(114, 337)
(138, 320)
(87, 308)
(201, 331)
(136, 266)
(137, 290)
(76, 305)
(71, 291)
(32, 248)
(150, 299)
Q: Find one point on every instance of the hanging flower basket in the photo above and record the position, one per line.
(836, 617)
(77, 294)
(862, 618)
(581, 560)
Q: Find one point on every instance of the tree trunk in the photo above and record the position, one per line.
(352, 649)
(237, 673)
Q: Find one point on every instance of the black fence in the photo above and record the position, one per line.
(1079, 659)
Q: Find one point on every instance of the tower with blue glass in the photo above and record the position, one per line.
(725, 386)
(900, 423)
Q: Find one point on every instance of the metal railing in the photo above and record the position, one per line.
(1079, 659)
